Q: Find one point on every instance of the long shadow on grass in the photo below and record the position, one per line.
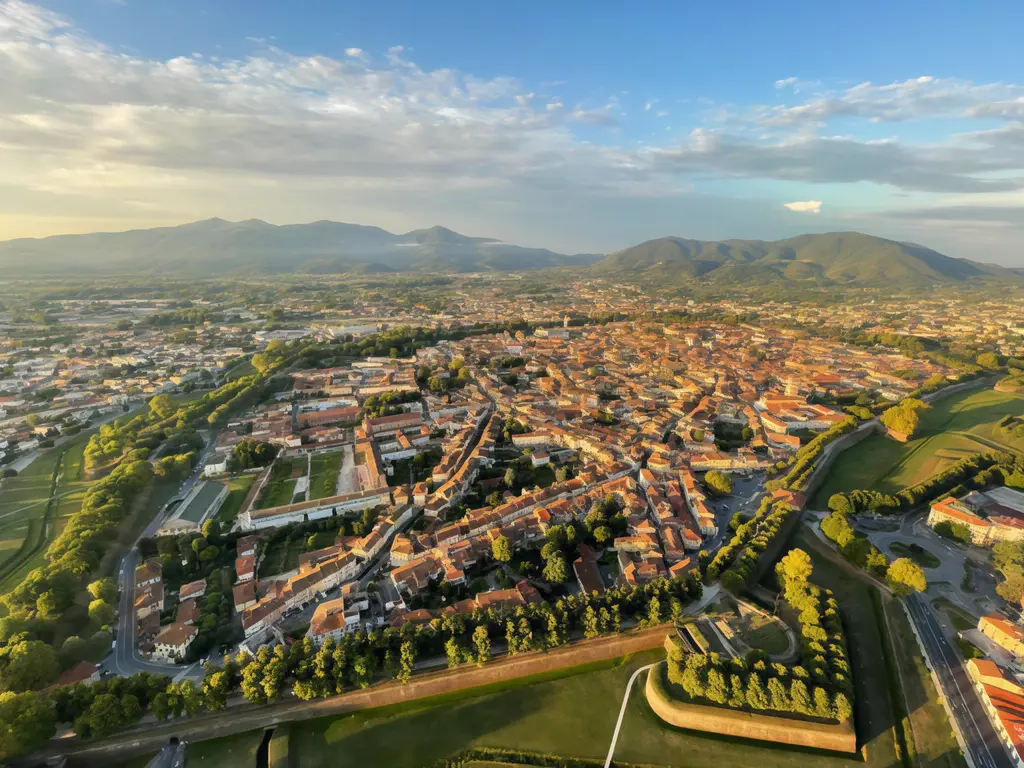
(408, 739)
(734, 750)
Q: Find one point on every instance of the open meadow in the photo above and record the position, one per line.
(954, 427)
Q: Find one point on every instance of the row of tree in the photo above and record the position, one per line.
(820, 686)
(359, 659)
(978, 471)
(806, 457)
(736, 562)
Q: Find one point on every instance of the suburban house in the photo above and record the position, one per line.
(333, 618)
(172, 643)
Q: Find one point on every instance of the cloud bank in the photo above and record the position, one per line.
(93, 137)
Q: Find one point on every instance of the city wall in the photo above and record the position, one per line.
(150, 737)
(834, 737)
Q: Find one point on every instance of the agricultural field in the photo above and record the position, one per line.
(954, 427)
(323, 479)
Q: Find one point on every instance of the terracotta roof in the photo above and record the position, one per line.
(177, 635)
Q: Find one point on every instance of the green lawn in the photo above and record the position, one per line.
(25, 507)
(243, 368)
(960, 619)
(571, 715)
(280, 557)
(323, 481)
(763, 633)
(569, 712)
(954, 427)
(24, 530)
(281, 488)
(917, 553)
(238, 489)
(238, 751)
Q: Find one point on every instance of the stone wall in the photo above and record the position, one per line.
(150, 737)
(834, 737)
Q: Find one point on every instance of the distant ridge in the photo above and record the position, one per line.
(219, 247)
(834, 257)
(254, 247)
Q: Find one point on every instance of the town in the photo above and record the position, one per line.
(316, 479)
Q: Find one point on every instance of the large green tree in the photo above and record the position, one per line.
(719, 483)
(905, 576)
(27, 665)
(27, 721)
(501, 548)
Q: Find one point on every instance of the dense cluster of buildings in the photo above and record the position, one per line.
(629, 413)
(990, 516)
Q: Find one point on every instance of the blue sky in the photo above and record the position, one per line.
(576, 126)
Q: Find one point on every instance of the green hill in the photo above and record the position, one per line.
(835, 257)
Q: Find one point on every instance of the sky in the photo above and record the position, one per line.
(577, 126)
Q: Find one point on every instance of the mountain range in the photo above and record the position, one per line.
(218, 247)
(833, 257)
(254, 247)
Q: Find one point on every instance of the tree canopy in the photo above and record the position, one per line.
(905, 576)
(719, 483)
(904, 417)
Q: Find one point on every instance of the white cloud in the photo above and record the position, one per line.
(807, 206)
(916, 98)
(85, 128)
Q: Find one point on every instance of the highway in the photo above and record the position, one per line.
(986, 751)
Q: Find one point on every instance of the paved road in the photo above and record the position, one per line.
(746, 496)
(986, 751)
(947, 577)
(348, 481)
(622, 713)
(125, 660)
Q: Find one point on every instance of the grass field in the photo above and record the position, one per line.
(323, 480)
(281, 489)
(23, 501)
(959, 618)
(954, 427)
(29, 518)
(238, 489)
(569, 713)
(281, 556)
(240, 369)
(763, 633)
(237, 751)
(928, 724)
(933, 736)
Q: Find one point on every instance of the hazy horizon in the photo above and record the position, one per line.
(515, 122)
